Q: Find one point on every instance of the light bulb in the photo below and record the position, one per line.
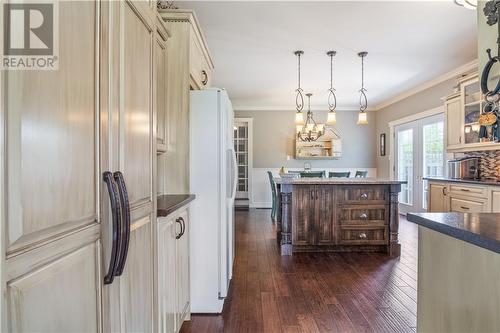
(299, 128)
(332, 118)
(299, 118)
(320, 127)
(310, 127)
(362, 118)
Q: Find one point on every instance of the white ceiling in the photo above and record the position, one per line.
(408, 43)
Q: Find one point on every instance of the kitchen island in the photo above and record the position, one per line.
(458, 272)
(338, 214)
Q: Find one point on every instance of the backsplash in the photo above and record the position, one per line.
(489, 165)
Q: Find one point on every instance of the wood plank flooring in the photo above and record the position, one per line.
(314, 292)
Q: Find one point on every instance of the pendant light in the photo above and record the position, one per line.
(363, 101)
(469, 4)
(332, 99)
(299, 98)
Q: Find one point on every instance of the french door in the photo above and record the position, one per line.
(419, 153)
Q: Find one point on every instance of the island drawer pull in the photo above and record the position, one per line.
(362, 235)
(364, 196)
(464, 208)
(363, 216)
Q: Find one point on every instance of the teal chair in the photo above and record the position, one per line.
(339, 174)
(312, 174)
(361, 174)
(274, 208)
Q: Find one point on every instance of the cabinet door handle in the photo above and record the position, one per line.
(464, 190)
(204, 81)
(317, 194)
(444, 190)
(116, 222)
(180, 220)
(362, 235)
(460, 139)
(125, 207)
(363, 216)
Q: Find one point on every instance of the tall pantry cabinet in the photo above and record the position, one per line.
(61, 131)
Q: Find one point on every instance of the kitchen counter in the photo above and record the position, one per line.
(464, 181)
(169, 203)
(481, 229)
(337, 181)
(458, 272)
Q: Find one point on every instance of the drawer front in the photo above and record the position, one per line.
(364, 235)
(467, 206)
(363, 215)
(469, 191)
(364, 195)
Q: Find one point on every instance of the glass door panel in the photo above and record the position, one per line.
(241, 150)
(433, 154)
(405, 164)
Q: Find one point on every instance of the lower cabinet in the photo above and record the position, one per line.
(456, 197)
(173, 271)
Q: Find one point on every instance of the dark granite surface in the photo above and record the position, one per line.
(481, 229)
(168, 203)
(464, 181)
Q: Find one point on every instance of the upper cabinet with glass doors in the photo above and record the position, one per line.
(463, 110)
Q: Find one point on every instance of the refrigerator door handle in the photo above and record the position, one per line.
(235, 174)
(116, 229)
(118, 176)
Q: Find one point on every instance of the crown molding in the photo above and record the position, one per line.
(287, 108)
(473, 65)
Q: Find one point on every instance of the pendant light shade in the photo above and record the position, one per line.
(363, 100)
(362, 118)
(299, 118)
(332, 99)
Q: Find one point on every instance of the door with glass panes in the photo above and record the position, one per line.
(419, 153)
(241, 145)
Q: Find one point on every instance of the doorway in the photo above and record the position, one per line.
(243, 151)
(419, 153)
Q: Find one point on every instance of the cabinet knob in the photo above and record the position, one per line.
(362, 235)
(204, 81)
(364, 196)
(363, 216)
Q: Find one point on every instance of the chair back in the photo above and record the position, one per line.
(271, 181)
(312, 174)
(339, 174)
(361, 174)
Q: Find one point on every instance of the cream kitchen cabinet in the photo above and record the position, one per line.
(453, 115)
(463, 197)
(162, 35)
(189, 66)
(438, 200)
(173, 271)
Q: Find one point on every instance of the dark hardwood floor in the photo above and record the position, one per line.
(314, 292)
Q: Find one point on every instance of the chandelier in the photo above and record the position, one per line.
(310, 130)
(363, 101)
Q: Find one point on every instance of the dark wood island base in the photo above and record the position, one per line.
(338, 215)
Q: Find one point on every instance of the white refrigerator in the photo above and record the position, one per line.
(213, 179)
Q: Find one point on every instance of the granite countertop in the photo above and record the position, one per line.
(337, 181)
(481, 229)
(168, 203)
(465, 181)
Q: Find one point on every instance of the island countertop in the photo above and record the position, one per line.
(337, 181)
(481, 229)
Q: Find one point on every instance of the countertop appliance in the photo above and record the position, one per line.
(213, 180)
(464, 168)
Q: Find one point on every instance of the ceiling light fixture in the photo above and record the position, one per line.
(469, 4)
(299, 98)
(332, 99)
(310, 131)
(363, 101)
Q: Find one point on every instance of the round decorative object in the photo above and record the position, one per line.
(486, 73)
(487, 119)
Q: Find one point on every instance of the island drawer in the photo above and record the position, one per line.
(364, 235)
(357, 214)
(363, 195)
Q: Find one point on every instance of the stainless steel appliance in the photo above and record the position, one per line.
(464, 168)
